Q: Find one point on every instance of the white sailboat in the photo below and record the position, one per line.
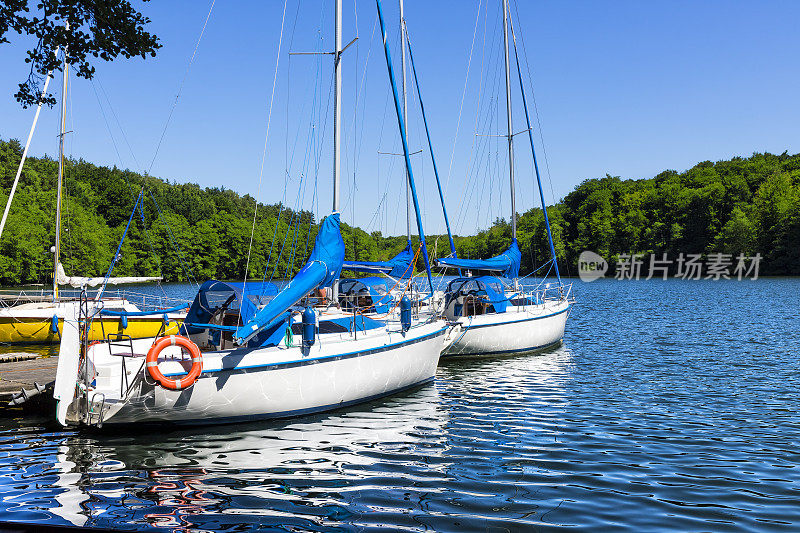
(393, 279)
(256, 370)
(39, 318)
(496, 315)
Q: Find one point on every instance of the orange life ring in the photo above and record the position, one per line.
(161, 379)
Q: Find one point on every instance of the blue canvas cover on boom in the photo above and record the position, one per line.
(508, 262)
(217, 297)
(397, 266)
(323, 267)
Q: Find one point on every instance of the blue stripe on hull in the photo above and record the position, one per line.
(278, 415)
(516, 321)
(314, 360)
(502, 352)
(507, 352)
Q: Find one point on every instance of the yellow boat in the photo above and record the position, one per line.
(41, 318)
(42, 322)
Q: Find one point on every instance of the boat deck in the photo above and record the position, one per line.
(23, 371)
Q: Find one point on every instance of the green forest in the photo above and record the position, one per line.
(744, 205)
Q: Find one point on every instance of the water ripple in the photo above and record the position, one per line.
(670, 406)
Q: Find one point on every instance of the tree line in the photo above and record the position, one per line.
(739, 206)
(187, 232)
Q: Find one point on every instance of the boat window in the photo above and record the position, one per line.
(346, 285)
(325, 326)
(259, 300)
(496, 287)
(380, 289)
(216, 299)
(471, 286)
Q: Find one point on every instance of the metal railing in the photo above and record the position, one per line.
(144, 301)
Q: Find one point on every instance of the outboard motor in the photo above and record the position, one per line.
(405, 313)
(309, 327)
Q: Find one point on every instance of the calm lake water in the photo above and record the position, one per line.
(672, 405)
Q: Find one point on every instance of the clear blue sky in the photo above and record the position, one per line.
(625, 88)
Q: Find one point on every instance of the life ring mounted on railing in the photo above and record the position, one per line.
(168, 383)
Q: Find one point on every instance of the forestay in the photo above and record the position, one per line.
(322, 268)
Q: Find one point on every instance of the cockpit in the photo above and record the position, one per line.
(475, 296)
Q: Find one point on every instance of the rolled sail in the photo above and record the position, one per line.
(508, 262)
(323, 267)
(397, 266)
(81, 281)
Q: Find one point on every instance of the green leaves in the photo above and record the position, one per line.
(737, 206)
(98, 29)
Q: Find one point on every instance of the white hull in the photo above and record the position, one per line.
(273, 382)
(518, 330)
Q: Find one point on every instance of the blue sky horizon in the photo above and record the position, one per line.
(628, 89)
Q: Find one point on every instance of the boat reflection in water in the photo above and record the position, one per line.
(409, 460)
(523, 397)
(295, 472)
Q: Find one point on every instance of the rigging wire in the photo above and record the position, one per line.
(311, 152)
(187, 271)
(116, 150)
(471, 161)
(482, 123)
(318, 159)
(135, 161)
(119, 125)
(535, 107)
(180, 88)
(264, 152)
(288, 156)
(315, 153)
(357, 128)
(108, 127)
(463, 96)
(384, 224)
(141, 205)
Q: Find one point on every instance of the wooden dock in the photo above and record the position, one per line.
(23, 371)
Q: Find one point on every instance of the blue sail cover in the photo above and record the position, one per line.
(213, 295)
(508, 262)
(323, 267)
(396, 267)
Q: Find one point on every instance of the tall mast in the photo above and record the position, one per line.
(510, 125)
(430, 146)
(405, 112)
(533, 153)
(57, 247)
(337, 102)
(337, 115)
(402, 126)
